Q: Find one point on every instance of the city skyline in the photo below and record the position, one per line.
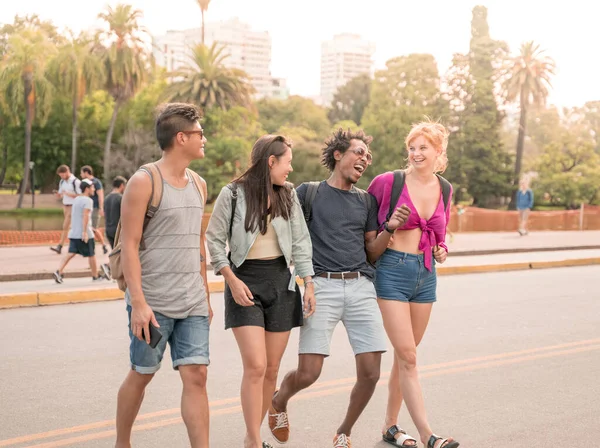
(396, 29)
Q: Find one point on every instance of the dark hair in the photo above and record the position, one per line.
(258, 188)
(62, 169)
(118, 181)
(174, 118)
(84, 185)
(87, 169)
(340, 141)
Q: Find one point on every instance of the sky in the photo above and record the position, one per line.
(568, 31)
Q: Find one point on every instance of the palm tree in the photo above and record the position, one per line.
(125, 63)
(203, 8)
(77, 70)
(208, 83)
(25, 87)
(528, 80)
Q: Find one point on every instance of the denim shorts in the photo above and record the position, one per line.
(355, 304)
(187, 338)
(404, 277)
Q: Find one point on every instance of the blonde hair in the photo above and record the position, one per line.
(437, 135)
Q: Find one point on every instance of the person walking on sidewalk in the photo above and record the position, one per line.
(112, 209)
(166, 280)
(88, 173)
(68, 190)
(342, 221)
(266, 231)
(524, 205)
(81, 237)
(406, 279)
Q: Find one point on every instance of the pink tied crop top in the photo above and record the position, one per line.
(434, 228)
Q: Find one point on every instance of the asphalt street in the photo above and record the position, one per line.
(509, 360)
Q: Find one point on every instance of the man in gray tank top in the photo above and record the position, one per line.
(165, 271)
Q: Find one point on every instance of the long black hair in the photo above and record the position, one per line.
(258, 187)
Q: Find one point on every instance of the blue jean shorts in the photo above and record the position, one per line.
(404, 277)
(187, 338)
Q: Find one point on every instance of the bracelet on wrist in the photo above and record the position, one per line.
(387, 229)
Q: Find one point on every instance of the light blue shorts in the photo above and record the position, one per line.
(188, 339)
(404, 277)
(353, 302)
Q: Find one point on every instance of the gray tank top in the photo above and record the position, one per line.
(171, 278)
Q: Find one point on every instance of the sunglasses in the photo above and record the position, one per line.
(364, 154)
(200, 133)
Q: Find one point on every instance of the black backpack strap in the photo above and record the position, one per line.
(311, 193)
(234, 194)
(446, 187)
(397, 187)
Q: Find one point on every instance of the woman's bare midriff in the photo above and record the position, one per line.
(406, 241)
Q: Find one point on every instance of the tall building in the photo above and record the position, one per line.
(342, 58)
(247, 50)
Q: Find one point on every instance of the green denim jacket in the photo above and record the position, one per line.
(292, 235)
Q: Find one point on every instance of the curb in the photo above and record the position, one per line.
(45, 275)
(29, 299)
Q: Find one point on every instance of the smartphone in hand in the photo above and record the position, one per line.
(155, 335)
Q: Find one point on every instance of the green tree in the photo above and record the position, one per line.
(306, 147)
(404, 93)
(77, 70)
(350, 101)
(296, 111)
(478, 163)
(208, 83)
(24, 84)
(230, 135)
(203, 4)
(528, 81)
(569, 171)
(125, 63)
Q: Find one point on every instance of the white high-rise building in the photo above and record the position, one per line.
(247, 50)
(342, 58)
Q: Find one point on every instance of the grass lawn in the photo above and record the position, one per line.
(29, 212)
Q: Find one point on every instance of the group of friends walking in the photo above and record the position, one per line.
(366, 258)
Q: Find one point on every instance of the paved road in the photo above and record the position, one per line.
(509, 360)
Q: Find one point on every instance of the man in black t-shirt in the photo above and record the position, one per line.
(112, 209)
(343, 227)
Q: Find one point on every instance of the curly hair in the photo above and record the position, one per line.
(340, 141)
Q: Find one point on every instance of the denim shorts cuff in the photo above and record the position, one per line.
(397, 299)
(145, 370)
(191, 361)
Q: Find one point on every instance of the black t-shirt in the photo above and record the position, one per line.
(97, 186)
(337, 228)
(112, 212)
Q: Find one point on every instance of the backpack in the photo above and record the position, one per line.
(311, 193)
(116, 268)
(398, 186)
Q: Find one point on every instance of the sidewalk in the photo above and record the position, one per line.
(38, 262)
(47, 292)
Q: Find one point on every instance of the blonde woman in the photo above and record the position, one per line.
(406, 278)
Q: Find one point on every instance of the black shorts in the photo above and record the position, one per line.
(276, 308)
(77, 246)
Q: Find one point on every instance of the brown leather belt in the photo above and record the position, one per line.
(340, 275)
